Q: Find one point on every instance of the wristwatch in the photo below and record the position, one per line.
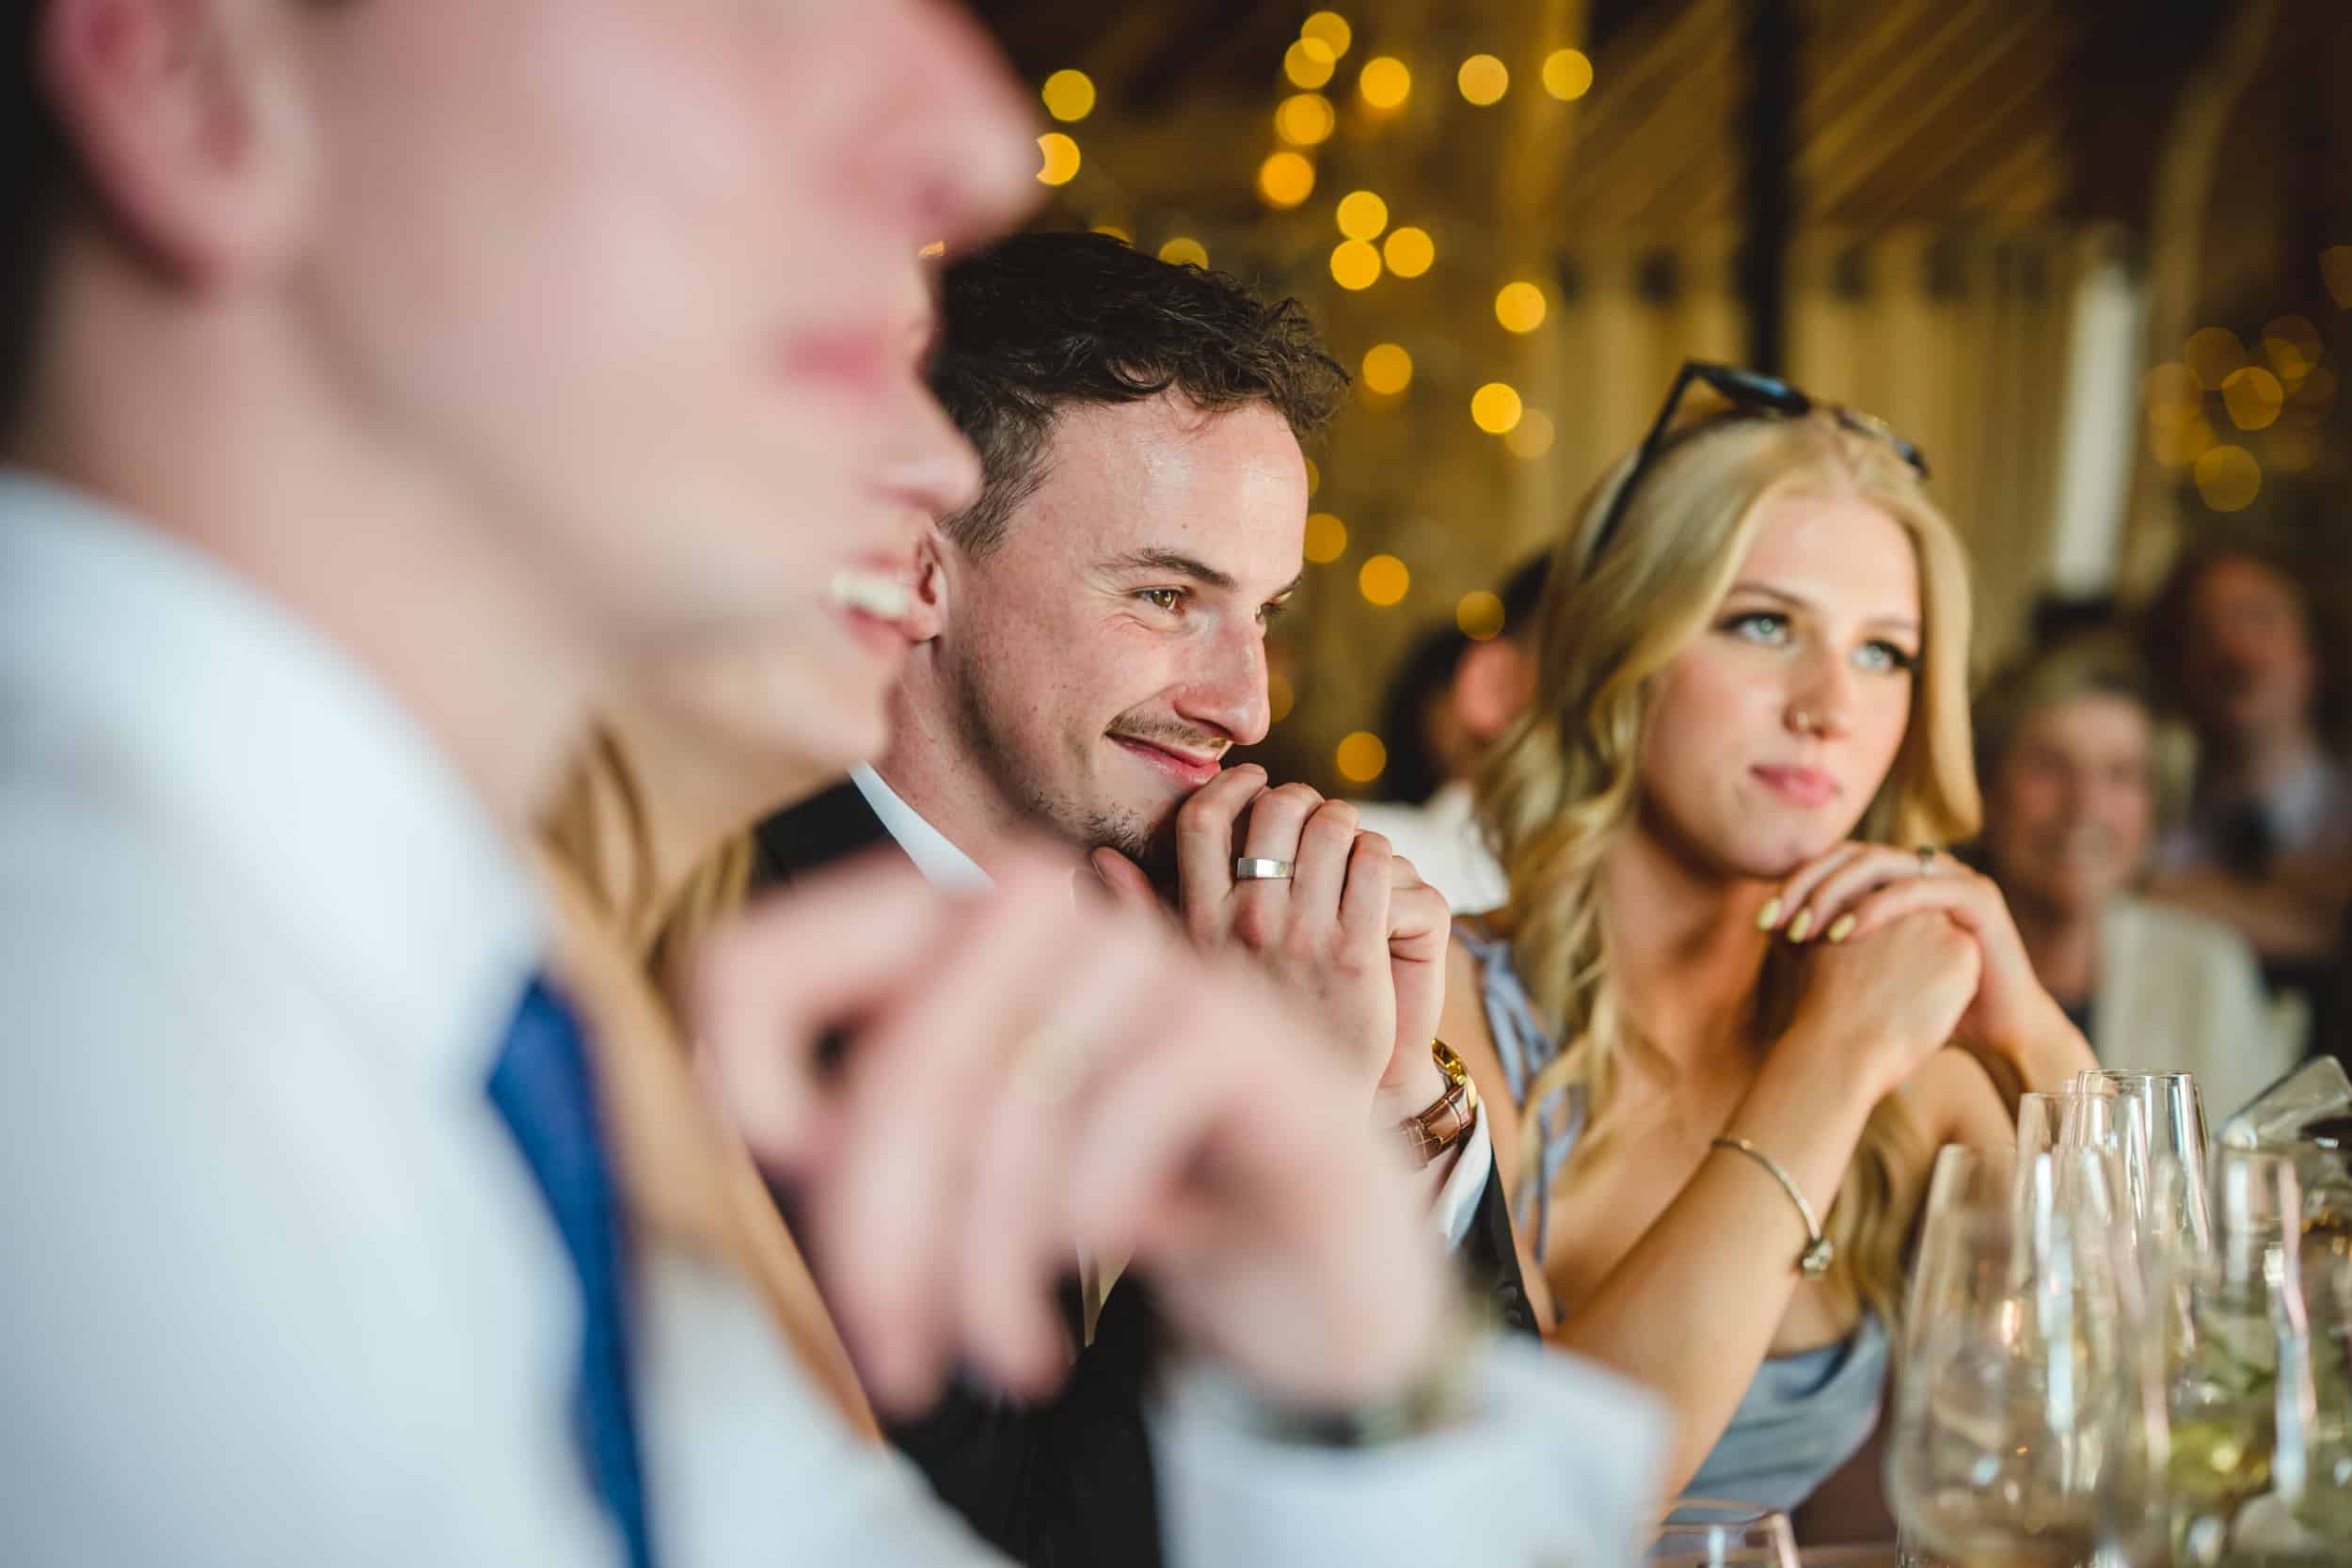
(1436, 1131)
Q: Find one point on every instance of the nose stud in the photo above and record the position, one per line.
(1801, 721)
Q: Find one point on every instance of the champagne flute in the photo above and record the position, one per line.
(1714, 1533)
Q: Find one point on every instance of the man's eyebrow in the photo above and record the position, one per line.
(1175, 562)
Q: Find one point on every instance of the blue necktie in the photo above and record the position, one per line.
(541, 1086)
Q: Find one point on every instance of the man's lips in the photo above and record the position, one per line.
(1799, 786)
(1190, 768)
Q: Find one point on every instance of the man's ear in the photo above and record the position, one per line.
(929, 616)
(190, 120)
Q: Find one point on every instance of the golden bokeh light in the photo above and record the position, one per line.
(2176, 444)
(1355, 264)
(1519, 307)
(2335, 270)
(1532, 437)
(1327, 538)
(1114, 232)
(2173, 384)
(1387, 369)
(1058, 159)
(937, 247)
(2293, 450)
(1279, 696)
(2214, 354)
(1182, 249)
(2253, 396)
(1308, 62)
(1484, 80)
(1068, 95)
(1410, 251)
(1383, 579)
(1285, 179)
(1332, 28)
(1568, 74)
(1496, 408)
(1384, 82)
(1479, 616)
(1304, 120)
(2293, 345)
(1314, 478)
(1361, 758)
(2229, 479)
(2318, 389)
(1362, 216)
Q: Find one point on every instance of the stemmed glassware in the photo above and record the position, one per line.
(2164, 1151)
(1708, 1532)
(2030, 1426)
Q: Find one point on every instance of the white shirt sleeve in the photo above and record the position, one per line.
(1465, 1185)
(1561, 1467)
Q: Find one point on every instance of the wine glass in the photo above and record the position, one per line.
(2069, 1117)
(2168, 1123)
(1715, 1533)
(1967, 1178)
(2030, 1425)
(2260, 1468)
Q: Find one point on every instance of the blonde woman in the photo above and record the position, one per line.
(1710, 1020)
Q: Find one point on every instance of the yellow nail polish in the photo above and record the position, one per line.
(1799, 927)
(1769, 916)
(1840, 928)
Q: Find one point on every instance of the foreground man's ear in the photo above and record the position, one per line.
(192, 125)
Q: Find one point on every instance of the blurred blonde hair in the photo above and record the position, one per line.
(1565, 781)
(603, 800)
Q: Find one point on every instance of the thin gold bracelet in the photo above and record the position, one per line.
(1814, 1261)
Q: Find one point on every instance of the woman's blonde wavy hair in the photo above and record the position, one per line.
(602, 794)
(1564, 782)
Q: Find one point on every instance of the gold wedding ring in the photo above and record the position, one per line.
(1248, 869)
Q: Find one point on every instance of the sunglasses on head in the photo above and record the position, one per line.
(1750, 394)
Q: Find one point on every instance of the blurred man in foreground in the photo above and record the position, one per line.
(383, 380)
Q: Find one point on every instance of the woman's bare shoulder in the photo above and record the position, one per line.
(1953, 1100)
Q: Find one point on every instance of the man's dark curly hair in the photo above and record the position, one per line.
(1039, 322)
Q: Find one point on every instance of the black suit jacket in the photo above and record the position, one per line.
(1068, 1482)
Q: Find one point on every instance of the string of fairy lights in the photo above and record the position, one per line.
(2274, 394)
(1372, 243)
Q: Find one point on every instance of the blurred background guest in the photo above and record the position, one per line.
(1458, 692)
(2240, 643)
(2070, 762)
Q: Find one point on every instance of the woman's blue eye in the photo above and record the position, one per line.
(1759, 625)
(1887, 656)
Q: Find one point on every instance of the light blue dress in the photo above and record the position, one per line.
(1804, 1415)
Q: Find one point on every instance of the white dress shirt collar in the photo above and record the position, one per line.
(326, 802)
(941, 862)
